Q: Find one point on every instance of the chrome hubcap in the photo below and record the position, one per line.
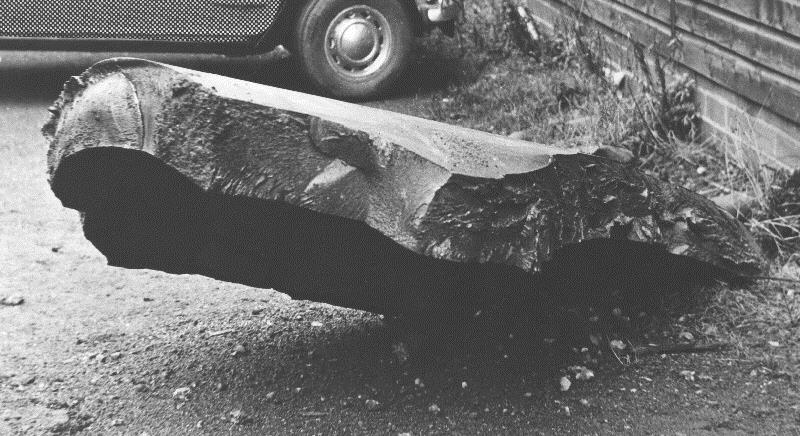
(357, 41)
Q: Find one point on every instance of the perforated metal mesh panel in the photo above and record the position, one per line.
(150, 20)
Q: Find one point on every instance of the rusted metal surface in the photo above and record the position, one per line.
(189, 172)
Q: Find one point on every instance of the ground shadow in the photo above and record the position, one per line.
(141, 213)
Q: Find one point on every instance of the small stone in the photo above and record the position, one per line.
(239, 418)
(372, 405)
(435, 409)
(270, 396)
(117, 422)
(527, 394)
(687, 375)
(419, 383)
(774, 344)
(584, 402)
(316, 324)
(12, 300)
(25, 379)
(140, 387)
(686, 336)
(582, 373)
(567, 411)
(239, 350)
(701, 170)
(564, 384)
(11, 415)
(58, 421)
(463, 385)
(616, 344)
(181, 394)
(115, 356)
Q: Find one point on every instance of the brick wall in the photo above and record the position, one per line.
(745, 58)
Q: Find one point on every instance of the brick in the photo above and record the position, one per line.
(714, 109)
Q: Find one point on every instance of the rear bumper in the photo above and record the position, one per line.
(438, 11)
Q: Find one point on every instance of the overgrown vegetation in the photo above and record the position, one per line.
(559, 91)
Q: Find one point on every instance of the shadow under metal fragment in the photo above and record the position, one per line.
(141, 213)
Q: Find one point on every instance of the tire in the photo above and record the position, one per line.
(353, 49)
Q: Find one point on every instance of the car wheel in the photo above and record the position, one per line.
(353, 49)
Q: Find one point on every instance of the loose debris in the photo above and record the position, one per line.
(58, 421)
(24, 380)
(238, 417)
(564, 383)
(616, 345)
(12, 300)
(220, 332)
(650, 349)
(313, 414)
(372, 405)
(582, 373)
(239, 350)
(181, 394)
